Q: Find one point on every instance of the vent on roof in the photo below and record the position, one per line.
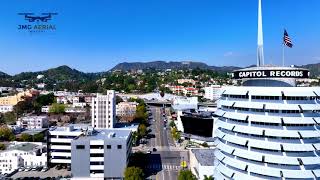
(111, 135)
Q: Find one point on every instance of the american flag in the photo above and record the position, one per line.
(286, 39)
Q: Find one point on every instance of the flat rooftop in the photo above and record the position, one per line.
(204, 156)
(34, 131)
(72, 127)
(24, 147)
(102, 134)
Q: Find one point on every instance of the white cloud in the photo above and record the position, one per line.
(228, 54)
(316, 58)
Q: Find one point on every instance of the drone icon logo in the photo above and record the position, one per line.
(29, 17)
(41, 21)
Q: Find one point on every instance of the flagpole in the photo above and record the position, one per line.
(282, 54)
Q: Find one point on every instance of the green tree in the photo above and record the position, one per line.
(172, 124)
(43, 100)
(57, 108)
(38, 137)
(24, 106)
(175, 133)
(133, 173)
(142, 130)
(8, 118)
(2, 147)
(205, 144)
(118, 99)
(6, 134)
(186, 175)
(208, 177)
(25, 137)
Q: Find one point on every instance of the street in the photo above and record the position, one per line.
(164, 163)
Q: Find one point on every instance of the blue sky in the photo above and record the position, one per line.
(95, 35)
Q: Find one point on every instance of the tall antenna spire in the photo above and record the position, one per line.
(260, 56)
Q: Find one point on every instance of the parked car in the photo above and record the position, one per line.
(58, 167)
(44, 169)
(39, 168)
(21, 169)
(154, 149)
(27, 169)
(34, 168)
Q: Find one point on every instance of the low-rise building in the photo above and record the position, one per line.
(212, 92)
(177, 89)
(60, 142)
(33, 122)
(182, 103)
(191, 91)
(202, 162)
(22, 155)
(13, 100)
(102, 154)
(6, 108)
(189, 81)
(126, 110)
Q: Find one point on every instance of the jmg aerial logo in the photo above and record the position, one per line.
(37, 23)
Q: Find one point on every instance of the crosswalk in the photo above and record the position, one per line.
(162, 167)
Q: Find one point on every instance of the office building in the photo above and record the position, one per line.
(22, 155)
(268, 128)
(60, 142)
(202, 162)
(102, 154)
(212, 92)
(6, 108)
(104, 110)
(126, 111)
(33, 122)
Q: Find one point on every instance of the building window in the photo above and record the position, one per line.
(108, 146)
(80, 146)
(119, 146)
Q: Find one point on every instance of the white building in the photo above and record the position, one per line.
(6, 108)
(182, 103)
(202, 162)
(126, 108)
(103, 154)
(190, 81)
(268, 128)
(104, 110)
(22, 155)
(33, 122)
(60, 142)
(212, 92)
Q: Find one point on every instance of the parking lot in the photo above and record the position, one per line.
(38, 174)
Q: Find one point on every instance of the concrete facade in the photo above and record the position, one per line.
(104, 154)
(104, 110)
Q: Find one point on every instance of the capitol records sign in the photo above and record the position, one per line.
(279, 73)
(37, 23)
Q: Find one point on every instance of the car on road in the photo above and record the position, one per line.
(44, 169)
(21, 169)
(27, 169)
(58, 167)
(154, 149)
(39, 168)
(34, 168)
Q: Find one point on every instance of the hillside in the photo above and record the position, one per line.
(162, 65)
(313, 68)
(4, 75)
(61, 73)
